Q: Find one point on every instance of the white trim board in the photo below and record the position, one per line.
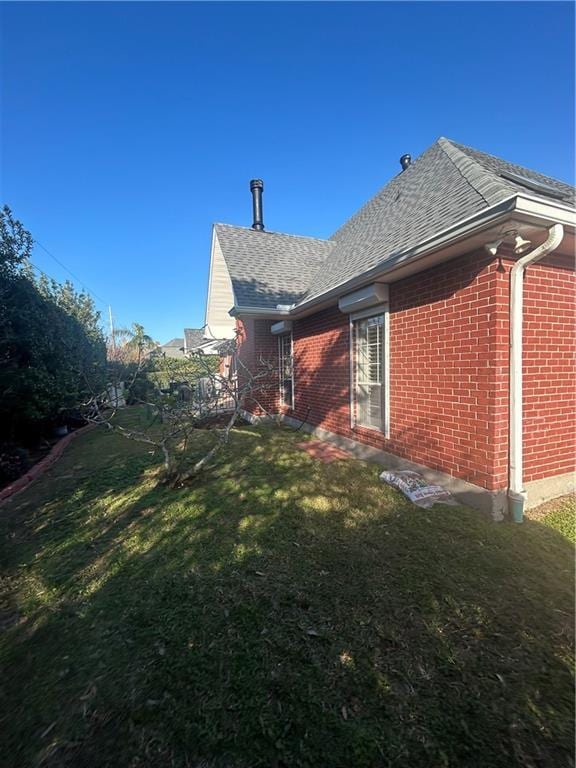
(381, 309)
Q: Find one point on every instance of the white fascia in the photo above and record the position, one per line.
(443, 246)
(533, 210)
(554, 212)
(263, 312)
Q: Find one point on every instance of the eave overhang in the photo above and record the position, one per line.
(529, 213)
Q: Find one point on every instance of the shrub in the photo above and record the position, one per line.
(14, 462)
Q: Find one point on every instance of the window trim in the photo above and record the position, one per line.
(281, 379)
(371, 312)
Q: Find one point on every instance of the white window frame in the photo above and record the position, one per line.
(281, 377)
(367, 313)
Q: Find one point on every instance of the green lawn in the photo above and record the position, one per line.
(282, 613)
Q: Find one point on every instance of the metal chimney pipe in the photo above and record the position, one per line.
(257, 187)
(405, 161)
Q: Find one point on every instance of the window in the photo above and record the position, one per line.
(286, 370)
(369, 372)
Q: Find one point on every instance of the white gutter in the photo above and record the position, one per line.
(516, 491)
(266, 312)
(535, 210)
(460, 230)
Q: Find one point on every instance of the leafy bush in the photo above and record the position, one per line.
(14, 462)
(52, 350)
(162, 371)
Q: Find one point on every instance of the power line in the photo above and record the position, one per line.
(65, 268)
(102, 301)
(50, 277)
(45, 274)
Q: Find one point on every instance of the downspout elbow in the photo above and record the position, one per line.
(555, 236)
(516, 491)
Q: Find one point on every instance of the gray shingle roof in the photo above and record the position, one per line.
(178, 343)
(486, 174)
(268, 268)
(446, 184)
(194, 337)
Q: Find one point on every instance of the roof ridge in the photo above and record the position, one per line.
(464, 165)
(271, 232)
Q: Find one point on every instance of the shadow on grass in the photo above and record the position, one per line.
(280, 613)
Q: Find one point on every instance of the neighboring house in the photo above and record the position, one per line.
(199, 340)
(433, 330)
(173, 348)
(193, 338)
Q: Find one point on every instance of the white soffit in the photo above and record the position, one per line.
(369, 296)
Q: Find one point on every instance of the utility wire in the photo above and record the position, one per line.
(50, 277)
(37, 268)
(65, 268)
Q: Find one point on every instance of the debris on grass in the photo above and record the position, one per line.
(417, 489)
(323, 614)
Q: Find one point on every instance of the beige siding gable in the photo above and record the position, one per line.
(220, 296)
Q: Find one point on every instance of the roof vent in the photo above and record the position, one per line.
(405, 161)
(257, 187)
(533, 184)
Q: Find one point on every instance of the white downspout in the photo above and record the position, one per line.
(516, 491)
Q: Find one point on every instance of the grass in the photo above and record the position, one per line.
(283, 613)
(560, 515)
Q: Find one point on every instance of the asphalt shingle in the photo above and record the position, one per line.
(174, 343)
(268, 268)
(491, 169)
(194, 337)
(446, 184)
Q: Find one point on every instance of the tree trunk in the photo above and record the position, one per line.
(168, 463)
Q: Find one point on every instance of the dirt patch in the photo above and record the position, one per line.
(539, 513)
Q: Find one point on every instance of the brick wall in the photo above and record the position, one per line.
(442, 376)
(258, 353)
(449, 370)
(549, 378)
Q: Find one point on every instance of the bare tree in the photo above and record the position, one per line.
(180, 397)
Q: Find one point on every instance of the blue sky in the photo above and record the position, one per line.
(128, 128)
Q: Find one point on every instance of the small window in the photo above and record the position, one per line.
(286, 370)
(369, 372)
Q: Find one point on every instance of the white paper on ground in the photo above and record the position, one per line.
(417, 489)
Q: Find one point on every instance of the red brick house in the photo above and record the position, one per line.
(434, 330)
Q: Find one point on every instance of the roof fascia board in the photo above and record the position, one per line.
(262, 312)
(550, 212)
(534, 209)
(523, 205)
(457, 231)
